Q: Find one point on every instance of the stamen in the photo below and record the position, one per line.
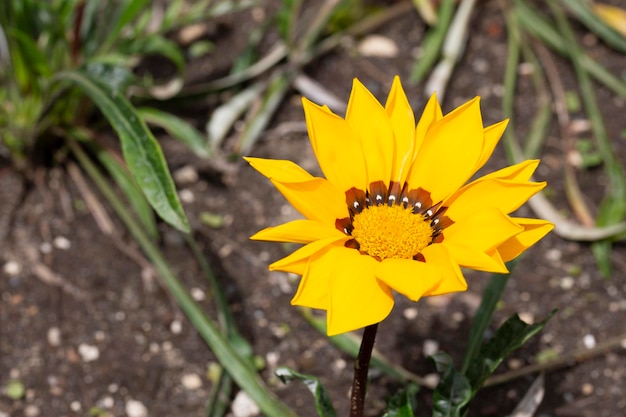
(386, 223)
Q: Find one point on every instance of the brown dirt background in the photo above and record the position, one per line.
(107, 300)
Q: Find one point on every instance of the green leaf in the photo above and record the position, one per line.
(178, 129)
(433, 42)
(141, 150)
(127, 13)
(491, 296)
(322, 400)
(453, 392)
(255, 126)
(28, 59)
(349, 343)
(536, 24)
(583, 12)
(118, 171)
(402, 403)
(15, 390)
(116, 77)
(237, 366)
(158, 45)
(129, 187)
(509, 337)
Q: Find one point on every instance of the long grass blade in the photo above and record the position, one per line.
(141, 150)
(233, 362)
(613, 207)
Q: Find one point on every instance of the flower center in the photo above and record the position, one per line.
(392, 222)
(391, 232)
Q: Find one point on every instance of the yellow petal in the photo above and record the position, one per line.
(299, 258)
(484, 230)
(612, 16)
(370, 123)
(518, 172)
(279, 169)
(505, 195)
(314, 287)
(298, 231)
(316, 199)
(534, 230)
(452, 277)
(408, 277)
(492, 134)
(357, 297)
(450, 152)
(469, 257)
(312, 291)
(338, 149)
(431, 115)
(403, 123)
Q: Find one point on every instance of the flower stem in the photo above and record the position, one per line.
(361, 366)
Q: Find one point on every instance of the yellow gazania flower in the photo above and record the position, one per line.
(393, 212)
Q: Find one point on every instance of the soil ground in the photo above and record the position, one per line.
(85, 323)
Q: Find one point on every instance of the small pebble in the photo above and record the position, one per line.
(553, 255)
(191, 381)
(589, 341)
(186, 175)
(54, 336)
(45, 247)
(186, 195)
(286, 210)
(197, 294)
(61, 242)
(243, 406)
(75, 406)
(457, 316)
(225, 250)
(527, 317)
(107, 402)
(515, 363)
(378, 46)
(339, 365)
(191, 33)
(430, 347)
(410, 313)
(176, 327)
(88, 353)
(566, 283)
(579, 126)
(432, 379)
(272, 358)
(135, 408)
(31, 411)
(587, 389)
(480, 66)
(12, 268)
(525, 68)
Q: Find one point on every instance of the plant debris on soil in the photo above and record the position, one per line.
(87, 329)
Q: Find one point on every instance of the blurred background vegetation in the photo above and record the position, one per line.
(72, 71)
